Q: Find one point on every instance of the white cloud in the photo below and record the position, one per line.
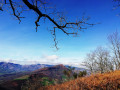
(51, 57)
(47, 59)
(6, 60)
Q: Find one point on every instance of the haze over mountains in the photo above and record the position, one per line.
(7, 67)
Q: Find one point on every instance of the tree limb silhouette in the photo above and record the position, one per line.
(65, 26)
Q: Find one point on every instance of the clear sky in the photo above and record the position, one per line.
(20, 43)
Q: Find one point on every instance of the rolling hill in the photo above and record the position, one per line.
(48, 73)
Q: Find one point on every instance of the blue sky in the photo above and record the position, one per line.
(20, 43)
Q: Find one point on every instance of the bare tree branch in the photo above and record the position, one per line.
(114, 40)
(36, 22)
(11, 4)
(39, 7)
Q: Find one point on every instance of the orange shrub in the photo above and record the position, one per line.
(106, 81)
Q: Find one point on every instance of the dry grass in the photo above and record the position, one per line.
(107, 81)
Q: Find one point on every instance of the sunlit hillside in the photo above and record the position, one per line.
(107, 81)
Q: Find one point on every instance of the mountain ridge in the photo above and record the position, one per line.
(8, 67)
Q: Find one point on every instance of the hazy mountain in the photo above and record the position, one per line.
(7, 67)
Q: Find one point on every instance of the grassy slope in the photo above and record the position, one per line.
(107, 81)
(12, 76)
(22, 77)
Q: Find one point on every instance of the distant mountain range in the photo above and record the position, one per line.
(9, 68)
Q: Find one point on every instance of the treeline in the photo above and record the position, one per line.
(70, 74)
(105, 59)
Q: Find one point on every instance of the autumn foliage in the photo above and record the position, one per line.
(106, 81)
